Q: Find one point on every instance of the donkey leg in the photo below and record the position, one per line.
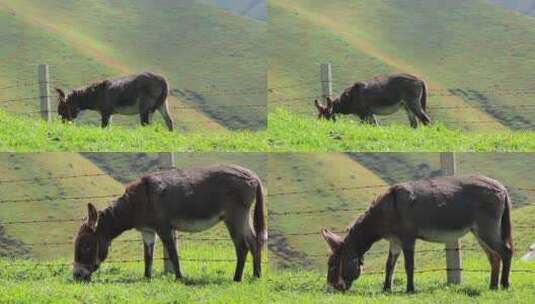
(490, 234)
(144, 117)
(506, 254)
(164, 111)
(488, 246)
(149, 239)
(166, 236)
(412, 118)
(106, 118)
(393, 254)
(257, 255)
(408, 254)
(372, 120)
(414, 106)
(240, 244)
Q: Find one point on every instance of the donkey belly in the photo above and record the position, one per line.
(385, 110)
(127, 107)
(196, 225)
(441, 236)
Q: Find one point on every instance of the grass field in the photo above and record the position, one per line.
(287, 132)
(26, 282)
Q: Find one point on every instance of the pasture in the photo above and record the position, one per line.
(287, 132)
(28, 282)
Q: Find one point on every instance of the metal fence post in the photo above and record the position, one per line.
(326, 81)
(44, 92)
(453, 249)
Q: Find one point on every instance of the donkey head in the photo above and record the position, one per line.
(326, 111)
(68, 109)
(90, 248)
(343, 268)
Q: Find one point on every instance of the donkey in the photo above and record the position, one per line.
(440, 209)
(131, 95)
(382, 95)
(189, 200)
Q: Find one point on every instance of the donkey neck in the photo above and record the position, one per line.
(342, 106)
(366, 230)
(115, 219)
(87, 98)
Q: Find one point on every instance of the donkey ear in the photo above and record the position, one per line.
(329, 102)
(61, 94)
(318, 106)
(333, 240)
(92, 216)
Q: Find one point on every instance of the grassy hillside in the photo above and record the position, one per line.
(210, 284)
(476, 58)
(212, 58)
(252, 8)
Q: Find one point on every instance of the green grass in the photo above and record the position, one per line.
(287, 132)
(30, 135)
(25, 282)
(305, 133)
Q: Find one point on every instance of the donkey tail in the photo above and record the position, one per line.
(259, 219)
(423, 100)
(506, 229)
(165, 92)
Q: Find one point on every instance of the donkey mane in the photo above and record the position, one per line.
(363, 231)
(371, 210)
(83, 95)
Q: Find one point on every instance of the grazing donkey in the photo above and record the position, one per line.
(189, 200)
(440, 209)
(131, 95)
(381, 95)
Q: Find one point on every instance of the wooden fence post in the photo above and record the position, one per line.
(44, 92)
(326, 82)
(166, 160)
(453, 249)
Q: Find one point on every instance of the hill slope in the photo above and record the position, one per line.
(212, 58)
(476, 58)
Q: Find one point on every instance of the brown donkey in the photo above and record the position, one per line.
(189, 200)
(382, 95)
(440, 210)
(140, 94)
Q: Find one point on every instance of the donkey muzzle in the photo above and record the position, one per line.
(81, 274)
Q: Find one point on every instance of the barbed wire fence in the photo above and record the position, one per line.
(42, 100)
(289, 256)
(475, 99)
(273, 215)
(277, 97)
